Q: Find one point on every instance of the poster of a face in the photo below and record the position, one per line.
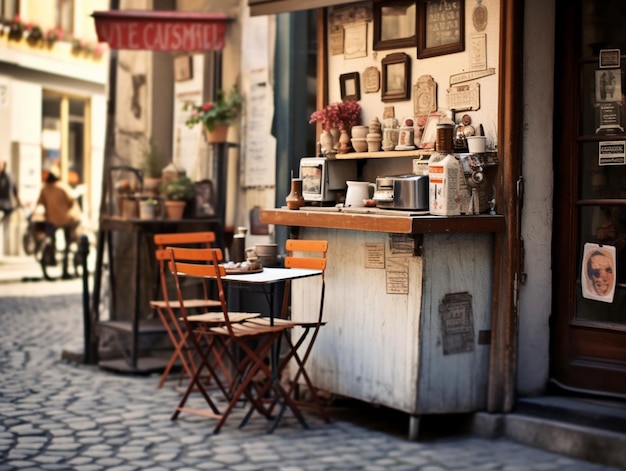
(598, 272)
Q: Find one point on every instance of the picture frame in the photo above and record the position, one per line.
(394, 25)
(609, 58)
(183, 68)
(440, 27)
(396, 77)
(204, 199)
(350, 86)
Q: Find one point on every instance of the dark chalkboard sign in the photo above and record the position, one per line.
(440, 27)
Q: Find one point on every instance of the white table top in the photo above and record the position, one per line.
(272, 275)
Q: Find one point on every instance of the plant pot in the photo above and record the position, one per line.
(129, 208)
(175, 209)
(219, 133)
(147, 210)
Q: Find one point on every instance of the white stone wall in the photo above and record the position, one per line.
(536, 294)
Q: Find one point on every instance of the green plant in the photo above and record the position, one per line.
(181, 189)
(224, 110)
(153, 159)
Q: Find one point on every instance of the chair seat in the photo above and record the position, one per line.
(267, 322)
(245, 329)
(218, 317)
(192, 303)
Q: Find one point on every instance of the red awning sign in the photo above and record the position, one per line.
(161, 30)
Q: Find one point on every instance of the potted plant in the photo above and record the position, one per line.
(216, 116)
(178, 192)
(152, 167)
(148, 208)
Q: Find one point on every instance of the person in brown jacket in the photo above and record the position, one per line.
(61, 211)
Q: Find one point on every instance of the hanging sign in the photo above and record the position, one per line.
(161, 30)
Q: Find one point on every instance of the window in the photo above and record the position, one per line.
(65, 15)
(9, 8)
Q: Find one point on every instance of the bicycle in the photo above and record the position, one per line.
(45, 242)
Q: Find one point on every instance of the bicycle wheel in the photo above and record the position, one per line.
(47, 258)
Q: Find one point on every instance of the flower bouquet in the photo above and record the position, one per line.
(341, 115)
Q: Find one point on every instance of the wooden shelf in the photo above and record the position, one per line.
(380, 220)
(384, 155)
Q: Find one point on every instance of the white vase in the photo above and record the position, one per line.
(326, 142)
(335, 133)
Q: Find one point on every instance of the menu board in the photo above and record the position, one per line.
(443, 22)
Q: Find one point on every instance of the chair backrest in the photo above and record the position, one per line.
(201, 263)
(309, 247)
(313, 256)
(183, 239)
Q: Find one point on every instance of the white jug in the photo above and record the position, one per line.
(357, 192)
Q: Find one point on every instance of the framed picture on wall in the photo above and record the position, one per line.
(394, 25)
(183, 69)
(440, 27)
(350, 87)
(396, 77)
(204, 199)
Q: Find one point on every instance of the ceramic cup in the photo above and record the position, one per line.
(476, 144)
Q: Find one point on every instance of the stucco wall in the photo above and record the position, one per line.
(536, 294)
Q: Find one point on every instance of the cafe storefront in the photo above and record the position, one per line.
(558, 190)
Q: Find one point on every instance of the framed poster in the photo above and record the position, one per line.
(608, 85)
(440, 27)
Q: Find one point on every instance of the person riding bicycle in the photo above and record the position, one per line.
(61, 211)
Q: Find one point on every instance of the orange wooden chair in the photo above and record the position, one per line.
(302, 254)
(254, 341)
(167, 308)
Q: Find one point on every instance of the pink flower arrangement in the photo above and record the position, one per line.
(341, 115)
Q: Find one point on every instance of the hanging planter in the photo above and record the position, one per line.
(215, 116)
(218, 135)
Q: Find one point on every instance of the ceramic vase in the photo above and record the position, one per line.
(294, 199)
(326, 142)
(218, 135)
(344, 142)
(335, 133)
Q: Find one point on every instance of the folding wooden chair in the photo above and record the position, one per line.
(168, 308)
(254, 341)
(311, 254)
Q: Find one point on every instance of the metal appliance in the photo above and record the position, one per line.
(323, 178)
(402, 192)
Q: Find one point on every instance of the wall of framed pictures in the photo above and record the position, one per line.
(454, 42)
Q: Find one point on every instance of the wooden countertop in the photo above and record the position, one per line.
(381, 220)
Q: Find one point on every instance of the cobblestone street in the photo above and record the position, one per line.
(59, 415)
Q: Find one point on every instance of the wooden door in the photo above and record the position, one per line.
(589, 318)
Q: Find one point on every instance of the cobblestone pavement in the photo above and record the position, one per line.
(58, 415)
